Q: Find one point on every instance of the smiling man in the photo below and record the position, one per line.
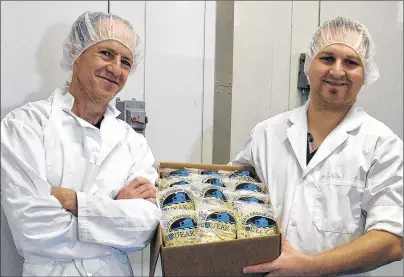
(79, 183)
(336, 171)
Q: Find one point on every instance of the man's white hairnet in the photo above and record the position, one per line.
(93, 27)
(348, 32)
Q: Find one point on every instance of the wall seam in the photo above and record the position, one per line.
(203, 80)
(290, 52)
(319, 13)
(144, 52)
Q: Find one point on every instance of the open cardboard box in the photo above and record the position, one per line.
(212, 259)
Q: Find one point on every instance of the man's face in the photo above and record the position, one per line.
(102, 70)
(336, 75)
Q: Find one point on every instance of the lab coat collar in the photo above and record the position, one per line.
(299, 115)
(111, 133)
(352, 120)
(62, 99)
(297, 134)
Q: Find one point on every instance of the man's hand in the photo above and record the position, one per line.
(67, 198)
(372, 250)
(138, 188)
(290, 263)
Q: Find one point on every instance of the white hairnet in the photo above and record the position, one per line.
(93, 27)
(348, 32)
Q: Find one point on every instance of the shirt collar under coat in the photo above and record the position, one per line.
(297, 133)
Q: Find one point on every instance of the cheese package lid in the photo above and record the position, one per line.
(174, 181)
(183, 172)
(248, 196)
(227, 173)
(238, 173)
(186, 180)
(256, 220)
(216, 222)
(207, 191)
(179, 227)
(176, 198)
(206, 172)
(239, 184)
(212, 180)
(230, 182)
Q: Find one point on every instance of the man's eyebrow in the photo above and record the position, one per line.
(127, 58)
(352, 57)
(332, 54)
(109, 49)
(327, 53)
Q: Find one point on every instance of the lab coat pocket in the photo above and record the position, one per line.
(337, 206)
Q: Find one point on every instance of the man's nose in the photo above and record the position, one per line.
(115, 67)
(337, 70)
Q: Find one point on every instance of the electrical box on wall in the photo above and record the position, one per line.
(134, 113)
(302, 81)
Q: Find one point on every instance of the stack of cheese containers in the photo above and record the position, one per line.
(201, 206)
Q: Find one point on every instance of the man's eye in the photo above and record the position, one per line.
(351, 62)
(327, 58)
(125, 62)
(106, 53)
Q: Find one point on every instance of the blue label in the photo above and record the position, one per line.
(251, 200)
(179, 183)
(214, 181)
(181, 172)
(241, 173)
(222, 217)
(182, 224)
(248, 186)
(216, 194)
(261, 222)
(207, 172)
(176, 198)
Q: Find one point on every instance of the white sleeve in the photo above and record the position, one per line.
(383, 196)
(144, 167)
(38, 222)
(126, 224)
(245, 156)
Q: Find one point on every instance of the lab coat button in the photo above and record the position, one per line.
(294, 224)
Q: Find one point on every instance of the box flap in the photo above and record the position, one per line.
(203, 166)
(155, 245)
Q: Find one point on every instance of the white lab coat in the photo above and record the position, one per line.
(44, 145)
(353, 184)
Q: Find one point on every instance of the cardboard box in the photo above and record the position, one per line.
(226, 258)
